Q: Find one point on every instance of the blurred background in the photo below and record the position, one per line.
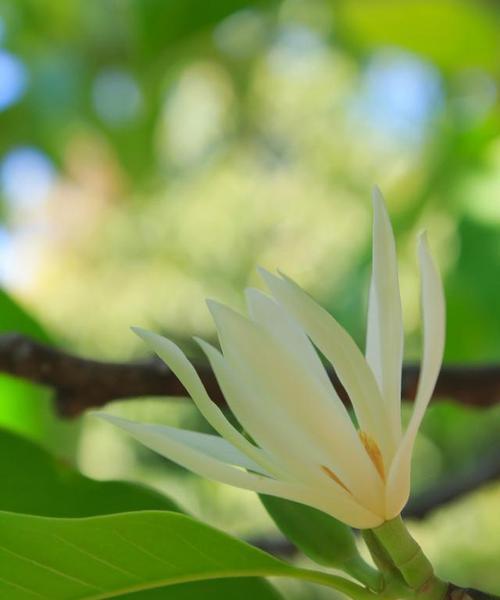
(153, 152)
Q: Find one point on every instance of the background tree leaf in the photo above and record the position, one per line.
(24, 407)
(34, 482)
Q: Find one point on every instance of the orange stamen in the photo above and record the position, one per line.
(335, 478)
(373, 452)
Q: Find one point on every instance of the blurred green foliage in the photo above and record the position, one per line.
(153, 152)
(35, 483)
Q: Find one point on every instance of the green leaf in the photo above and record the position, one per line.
(473, 40)
(108, 556)
(34, 482)
(243, 588)
(14, 318)
(320, 537)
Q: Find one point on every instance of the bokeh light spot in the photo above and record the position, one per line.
(26, 177)
(13, 79)
(242, 34)
(400, 94)
(117, 97)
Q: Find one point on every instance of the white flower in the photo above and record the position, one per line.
(305, 445)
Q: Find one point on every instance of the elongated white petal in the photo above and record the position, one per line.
(286, 331)
(342, 352)
(192, 452)
(433, 309)
(279, 379)
(176, 447)
(207, 444)
(384, 342)
(267, 427)
(176, 360)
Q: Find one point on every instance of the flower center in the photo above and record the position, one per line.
(373, 452)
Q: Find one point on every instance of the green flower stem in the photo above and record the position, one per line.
(379, 553)
(349, 588)
(363, 572)
(409, 559)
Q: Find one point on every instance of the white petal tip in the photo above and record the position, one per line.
(251, 292)
(378, 202)
(201, 343)
(422, 238)
(105, 417)
(144, 334)
(266, 276)
(213, 305)
(210, 351)
(262, 272)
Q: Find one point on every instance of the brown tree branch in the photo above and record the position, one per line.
(484, 470)
(81, 383)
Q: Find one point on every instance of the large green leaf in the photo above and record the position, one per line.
(34, 482)
(108, 556)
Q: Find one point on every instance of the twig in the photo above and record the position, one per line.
(485, 469)
(81, 383)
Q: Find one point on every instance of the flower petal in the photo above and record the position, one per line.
(384, 341)
(268, 428)
(286, 331)
(342, 352)
(328, 435)
(176, 360)
(176, 446)
(433, 309)
(206, 456)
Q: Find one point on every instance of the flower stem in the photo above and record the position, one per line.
(363, 572)
(407, 556)
(349, 588)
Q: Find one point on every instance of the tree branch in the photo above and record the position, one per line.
(81, 383)
(484, 470)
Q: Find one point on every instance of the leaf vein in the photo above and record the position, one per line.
(145, 551)
(22, 588)
(97, 558)
(50, 569)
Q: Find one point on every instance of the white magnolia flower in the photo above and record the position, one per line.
(305, 445)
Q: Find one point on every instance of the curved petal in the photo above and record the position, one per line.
(433, 309)
(285, 330)
(340, 349)
(269, 429)
(384, 340)
(209, 445)
(175, 448)
(176, 360)
(279, 379)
